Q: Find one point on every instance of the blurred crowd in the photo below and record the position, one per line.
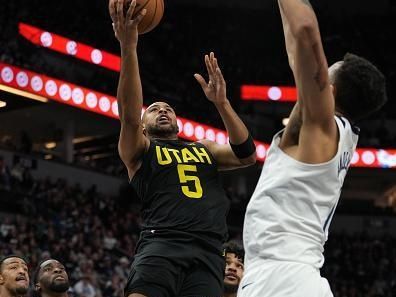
(94, 236)
(23, 144)
(361, 265)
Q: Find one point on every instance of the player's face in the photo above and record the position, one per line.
(233, 271)
(14, 276)
(159, 120)
(52, 277)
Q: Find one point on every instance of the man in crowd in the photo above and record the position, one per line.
(234, 254)
(51, 279)
(14, 277)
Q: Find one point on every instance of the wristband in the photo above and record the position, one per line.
(245, 149)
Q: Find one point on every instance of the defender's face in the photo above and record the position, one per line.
(234, 270)
(14, 276)
(159, 119)
(53, 277)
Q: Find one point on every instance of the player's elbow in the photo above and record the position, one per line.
(130, 155)
(304, 31)
(251, 160)
(126, 157)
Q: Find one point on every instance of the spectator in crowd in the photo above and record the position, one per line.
(70, 224)
(85, 288)
(234, 255)
(14, 277)
(4, 175)
(51, 279)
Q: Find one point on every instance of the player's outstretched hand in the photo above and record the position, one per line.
(125, 24)
(216, 89)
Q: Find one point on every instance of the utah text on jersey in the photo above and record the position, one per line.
(166, 156)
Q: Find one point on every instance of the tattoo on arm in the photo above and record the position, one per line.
(319, 77)
(319, 81)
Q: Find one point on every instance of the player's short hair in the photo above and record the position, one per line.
(2, 259)
(37, 272)
(36, 293)
(234, 247)
(360, 88)
(38, 268)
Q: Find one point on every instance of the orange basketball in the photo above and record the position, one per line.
(155, 11)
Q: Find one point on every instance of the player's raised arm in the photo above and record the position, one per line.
(309, 65)
(241, 151)
(132, 142)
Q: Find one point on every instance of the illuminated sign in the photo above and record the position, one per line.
(63, 92)
(69, 47)
(268, 93)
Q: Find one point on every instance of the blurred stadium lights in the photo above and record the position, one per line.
(22, 93)
(107, 60)
(70, 47)
(285, 121)
(268, 93)
(79, 97)
(50, 145)
(85, 139)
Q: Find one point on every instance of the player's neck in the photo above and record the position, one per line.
(338, 112)
(53, 294)
(164, 137)
(5, 293)
(230, 295)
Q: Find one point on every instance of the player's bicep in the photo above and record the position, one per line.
(312, 80)
(131, 145)
(318, 135)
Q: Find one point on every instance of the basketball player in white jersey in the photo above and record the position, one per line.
(288, 217)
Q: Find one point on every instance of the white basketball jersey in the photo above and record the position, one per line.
(289, 214)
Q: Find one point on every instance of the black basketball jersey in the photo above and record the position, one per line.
(179, 186)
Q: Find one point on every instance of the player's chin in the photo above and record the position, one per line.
(21, 288)
(230, 282)
(166, 127)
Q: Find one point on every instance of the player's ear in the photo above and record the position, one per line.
(333, 89)
(1, 279)
(144, 129)
(37, 286)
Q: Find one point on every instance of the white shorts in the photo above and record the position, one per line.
(269, 278)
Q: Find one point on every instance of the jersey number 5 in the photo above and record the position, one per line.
(190, 191)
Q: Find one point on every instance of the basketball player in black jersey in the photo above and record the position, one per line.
(184, 206)
(51, 279)
(14, 276)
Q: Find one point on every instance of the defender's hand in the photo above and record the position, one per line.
(216, 89)
(125, 27)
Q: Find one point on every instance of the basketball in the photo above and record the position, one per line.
(155, 11)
